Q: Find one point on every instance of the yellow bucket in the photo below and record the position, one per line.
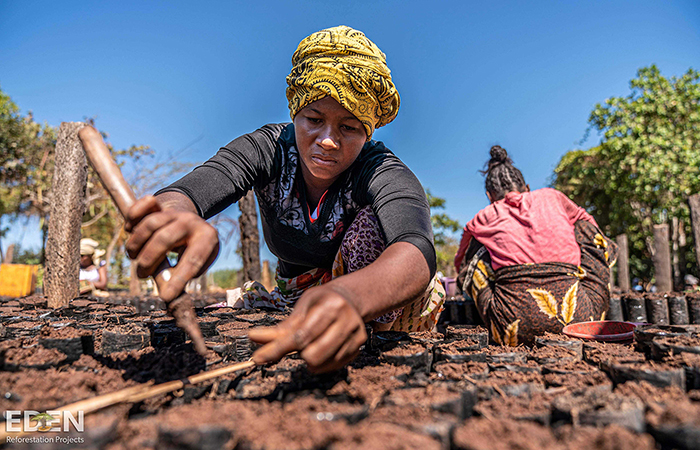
(17, 280)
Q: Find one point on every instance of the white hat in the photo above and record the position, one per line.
(88, 247)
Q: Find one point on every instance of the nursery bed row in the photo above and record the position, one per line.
(428, 390)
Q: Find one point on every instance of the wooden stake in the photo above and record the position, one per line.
(267, 276)
(61, 282)
(10, 255)
(134, 282)
(694, 202)
(662, 259)
(623, 264)
(677, 253)
(250, 239)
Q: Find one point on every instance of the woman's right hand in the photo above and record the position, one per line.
(167, 223)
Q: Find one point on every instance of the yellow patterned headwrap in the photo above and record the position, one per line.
(343, 63)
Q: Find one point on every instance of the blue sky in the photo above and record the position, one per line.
(471, 74)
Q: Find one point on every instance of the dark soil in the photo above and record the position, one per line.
(233, 325)
(34, 356)
(612, 437)
(427, 335)
(427, 396)
(502, 378)
(33, 302)
(406, 350)
(384, 436)
(498, 350)
(656, 330)
(458, 347)
(678, 412)
(559, 337)
(24, 327)
(683, 341)
(46, 389)
(553, 355)
(472, 332)
(431, 338)
(506, 398)
(581, 367)
(63, 333)
(287, 365)
(370, 384)
(281, 428)
(536, 407)
(460, 371)
(504, 434)
(222, 312)
(659, 374)
(324, 410)
(409, 416)
(576, 381)
(652, 396)
(256, 318)
(519, 366)
(599, 353)
(598, 408)
(691, 360)
(122, 309)
(258, 386)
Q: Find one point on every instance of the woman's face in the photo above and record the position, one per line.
(85, 261)
(329, 140)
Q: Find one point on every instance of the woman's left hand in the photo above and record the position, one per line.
(325, 327)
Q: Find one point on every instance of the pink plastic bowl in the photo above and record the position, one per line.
(601, 330)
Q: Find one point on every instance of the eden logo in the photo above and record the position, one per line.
(27, 421)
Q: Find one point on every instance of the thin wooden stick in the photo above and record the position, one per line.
(194, 379)
(95, 403)
(499, 390)
(469, 379)
(162, 388)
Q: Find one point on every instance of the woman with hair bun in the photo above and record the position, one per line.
(533, 261)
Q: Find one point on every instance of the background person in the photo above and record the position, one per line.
(93, 271)
(349, 222)
(532, 261)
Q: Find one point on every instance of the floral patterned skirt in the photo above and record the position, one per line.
(362, 245)
(520, 302)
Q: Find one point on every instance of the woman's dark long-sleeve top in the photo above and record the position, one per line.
(268, 162)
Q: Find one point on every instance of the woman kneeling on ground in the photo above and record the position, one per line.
(349, 222)
(532, 261)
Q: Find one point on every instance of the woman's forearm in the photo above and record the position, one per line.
(396, 278)
(102, 282)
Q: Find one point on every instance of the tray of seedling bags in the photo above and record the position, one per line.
(447, 389)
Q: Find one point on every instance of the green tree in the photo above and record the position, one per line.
(646, 165)
(444, 227)
(226, 278)
(25, 150)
